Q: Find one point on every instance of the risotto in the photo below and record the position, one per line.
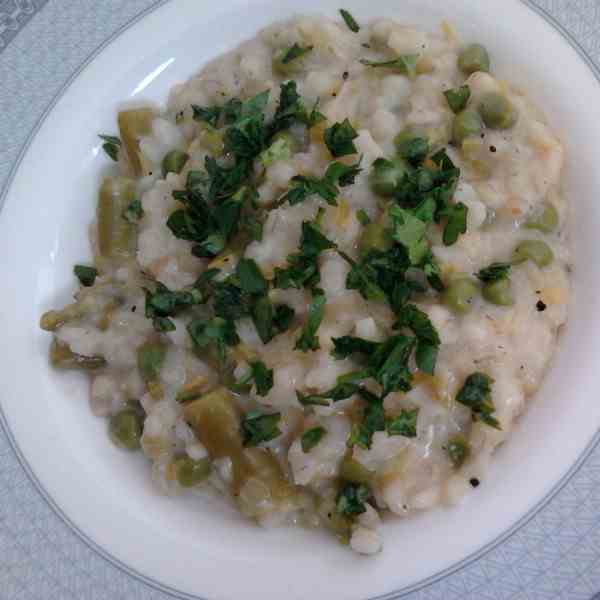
(327, 276)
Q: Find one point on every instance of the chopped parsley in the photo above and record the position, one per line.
(111, 146)
(350, 500)
(339, 139)
(214, 333)
(373, 419)
(86, 275)
(351, 23)
(458, 450)
(404, 424)
(458, 98)
(294, 52)
(134, 212)
(262, 377)
(341, 391)
(476, 394)
(252, 281)
(308, 339)
(163, 303)
(406, 65)
(386, 362)
(303, 186)
(456, 224)
(495, 272)
(311, 438)
(414, 150)
(428, 340)
(258, 427)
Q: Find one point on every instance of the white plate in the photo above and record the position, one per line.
(198, 547)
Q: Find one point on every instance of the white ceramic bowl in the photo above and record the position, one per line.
(199, 547)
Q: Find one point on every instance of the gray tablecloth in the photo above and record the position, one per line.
(556, 555)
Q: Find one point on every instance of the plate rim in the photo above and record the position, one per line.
(173, 592)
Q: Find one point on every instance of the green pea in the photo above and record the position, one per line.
(498, 292)
(474, 58)
(191, 472)
(386, 175)
(497, 111)
(466, 124)
(460, 294)
(374, 237)
(174, 161)
(126, 428)
(546, 220)
(536, 250)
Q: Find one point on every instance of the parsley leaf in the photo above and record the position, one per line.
(262, 377)
(373, 419)
(86, 275)
(386, 362)
(458, 98)
(476, 394)
(311, 438)
(404, 424)
(294, 52)
(163, 303)
(312, 241)
(341, 391)
(414, 150)
(251, 279)
(410, 232)
(216, 332)
(210, 114)
(406, 65)
(263, 316)
(134, 212)
(495, 272)
(308, 339)
(353, 26)
(339, 139)
(111, 146)
(304, 186)
(258, 427)
(456, 224)
(428, 340)
(283, 317)
(350, 500)
(458, 450)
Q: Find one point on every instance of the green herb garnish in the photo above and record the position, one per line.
(294, 52)
(86, 275)
(404, 424)
(353, 26)
(495, 272)
(308, 339)
(262, 377)
(216, 332)
(407, 64)
(458, 450)
(341, 391)
(476, 394)
(339, 139)
(111, 146)
(311, 438)
(134, 212)
(257, 427)
(351, 499)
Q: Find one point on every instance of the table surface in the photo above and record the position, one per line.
(556, 555)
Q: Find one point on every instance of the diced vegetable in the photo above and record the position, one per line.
(126, 428)
(62, 357)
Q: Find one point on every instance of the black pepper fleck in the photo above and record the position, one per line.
(474, 482)
(133, 308)
(334, 95)
(541, 306)
(345, 75)
(492, 148)
(482, 135)
(366, 45)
